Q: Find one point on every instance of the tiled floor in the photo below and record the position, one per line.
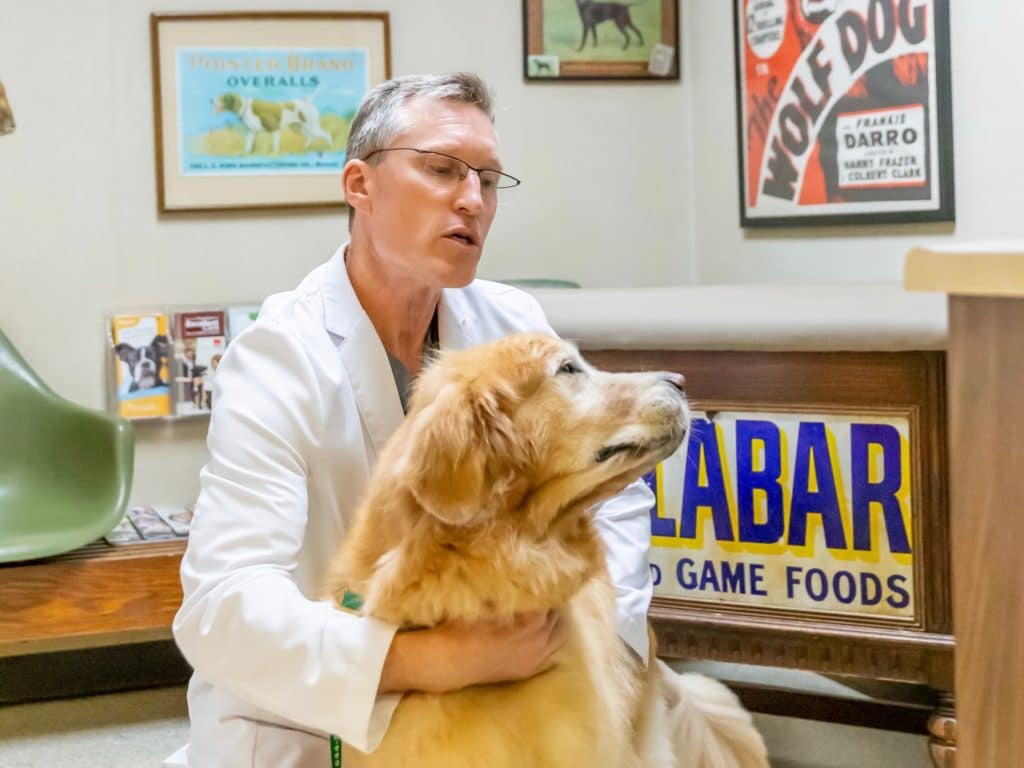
(137, 730)
(124, 730)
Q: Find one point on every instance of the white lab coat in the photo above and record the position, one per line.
(305, 401)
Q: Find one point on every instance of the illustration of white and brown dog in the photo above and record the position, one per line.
(272, 117)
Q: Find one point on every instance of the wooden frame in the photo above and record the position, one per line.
(251, 110)
(838, 123)
(553, 49)
(912, 382)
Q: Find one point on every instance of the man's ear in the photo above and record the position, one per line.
(452, 453)
(354, 185)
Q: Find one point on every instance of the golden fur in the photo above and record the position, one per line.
(481, 506)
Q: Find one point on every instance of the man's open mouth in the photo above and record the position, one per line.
(463, 237)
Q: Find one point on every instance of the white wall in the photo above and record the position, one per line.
(604, 200)
(626, 185)
(987, 118)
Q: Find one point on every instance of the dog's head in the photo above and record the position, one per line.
(228, 102)
(526, 424)
(145, 363)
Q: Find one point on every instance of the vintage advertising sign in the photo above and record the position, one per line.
(844, 111)
(795, 512)
(267, 110)
(253, 110)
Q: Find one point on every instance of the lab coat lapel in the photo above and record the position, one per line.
(362, 355)
(456, 322)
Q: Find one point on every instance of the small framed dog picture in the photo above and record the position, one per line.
(599, 40)
(252, 110)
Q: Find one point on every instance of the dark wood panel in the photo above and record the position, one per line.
(856, 382)
(910, 657)
(901, 716)
(866, 379)
(986, 461)
(91, 671)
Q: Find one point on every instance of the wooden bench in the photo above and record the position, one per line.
(94, 596)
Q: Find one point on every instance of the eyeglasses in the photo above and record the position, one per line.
(447, 170)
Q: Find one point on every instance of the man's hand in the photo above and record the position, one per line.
(458, 654)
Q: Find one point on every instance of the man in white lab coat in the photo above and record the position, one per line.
(306, 398)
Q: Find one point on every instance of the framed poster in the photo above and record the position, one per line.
(252, 110)
(590, 40)
(844, 112)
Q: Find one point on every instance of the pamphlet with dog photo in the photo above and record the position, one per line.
(199, 342)
(142, 373)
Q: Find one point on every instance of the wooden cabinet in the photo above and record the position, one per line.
(986, 430)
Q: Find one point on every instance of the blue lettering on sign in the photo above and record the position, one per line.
(816, 492)
(655, 574)
(812, 446)
(660, 526)
(884, 492)
(847, 587)
(766, 479)
(721, 576)
(703, 451)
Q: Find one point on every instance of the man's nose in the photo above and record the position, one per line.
(470, 193)
(677, 380)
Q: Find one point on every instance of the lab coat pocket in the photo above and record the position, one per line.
(281, 747)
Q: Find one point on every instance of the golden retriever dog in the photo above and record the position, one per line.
(481, 505)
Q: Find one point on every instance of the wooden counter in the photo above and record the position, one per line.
(792, 361)
(985, 284)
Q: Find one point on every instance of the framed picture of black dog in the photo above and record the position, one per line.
(844, 111)
(600, 40)
(252, 110)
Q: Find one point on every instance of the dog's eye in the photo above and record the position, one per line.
(570, 367)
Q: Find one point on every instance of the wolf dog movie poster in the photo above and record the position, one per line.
(267, 111)
(844, 111)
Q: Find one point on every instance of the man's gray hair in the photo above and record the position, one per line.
(382, 114)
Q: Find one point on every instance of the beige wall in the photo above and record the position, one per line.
(604, 203)
(626, 185)
(987, 115)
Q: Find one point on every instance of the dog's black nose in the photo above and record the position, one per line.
(677, 380)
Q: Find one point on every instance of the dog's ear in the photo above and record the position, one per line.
(459, 455)
(161, 344)
(125, 352)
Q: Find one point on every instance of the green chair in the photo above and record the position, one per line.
(65, 470)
